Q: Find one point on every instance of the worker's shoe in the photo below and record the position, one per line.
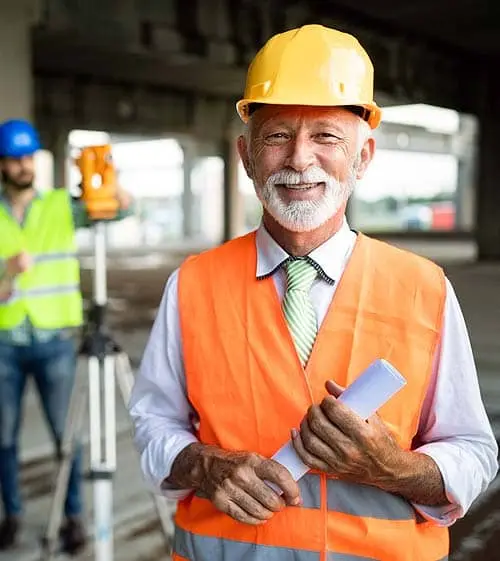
(9, 529)
(73, 536)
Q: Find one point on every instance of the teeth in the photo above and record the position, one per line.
(301, 187)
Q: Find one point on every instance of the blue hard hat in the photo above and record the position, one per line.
(17, 139)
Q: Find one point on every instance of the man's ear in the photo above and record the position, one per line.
(365, 157)
(244, 155)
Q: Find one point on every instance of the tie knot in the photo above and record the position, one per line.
(300, 274)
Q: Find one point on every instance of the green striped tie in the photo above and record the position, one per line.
(298, 308)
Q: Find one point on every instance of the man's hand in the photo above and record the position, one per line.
(124, 198)
(335, 440)
(235, 481)
(13, 266)
(17, 264)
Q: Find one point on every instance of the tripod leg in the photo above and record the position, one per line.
(125, 379)
(102, 458)
(73, 428)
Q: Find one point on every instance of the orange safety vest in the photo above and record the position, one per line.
(246, 382)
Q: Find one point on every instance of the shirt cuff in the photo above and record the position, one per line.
(157, 460)
(445, 515)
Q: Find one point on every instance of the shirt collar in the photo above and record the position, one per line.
(329, 258)
(6, 204)
(3, 198)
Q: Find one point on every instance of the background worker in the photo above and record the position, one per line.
(40, 312)
(256, 338)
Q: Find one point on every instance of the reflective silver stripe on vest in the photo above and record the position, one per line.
(358, 500)
(310, 490)
(56, 256)
(204, 548)
(367, 501)
(45, 291)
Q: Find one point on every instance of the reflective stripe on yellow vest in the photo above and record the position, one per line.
(49, 292)
(245, 380)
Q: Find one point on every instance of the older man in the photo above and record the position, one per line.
(255, 339)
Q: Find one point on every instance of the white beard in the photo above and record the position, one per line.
(304, 216)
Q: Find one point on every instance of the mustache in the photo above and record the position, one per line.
(291, 177)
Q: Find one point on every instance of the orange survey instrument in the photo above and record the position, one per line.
(99, 182)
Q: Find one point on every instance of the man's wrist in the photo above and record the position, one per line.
(397, 473)
(189, 468)
(416, 477)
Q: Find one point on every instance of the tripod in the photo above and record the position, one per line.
(107, 365)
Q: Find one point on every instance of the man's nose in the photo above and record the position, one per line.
(301, 155)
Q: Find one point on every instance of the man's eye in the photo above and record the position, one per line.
(327, 135)
(277, 137)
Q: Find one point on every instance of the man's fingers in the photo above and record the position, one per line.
(265, 495)
(232, 495)
(317, 424)
(249, 504)
(343, 417)
(308, 458)
(324, 446)
(333, 388)
(18, 264)
(235, 511)
(275, 473)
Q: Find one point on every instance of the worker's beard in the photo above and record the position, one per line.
(304, 216)
(22, 183)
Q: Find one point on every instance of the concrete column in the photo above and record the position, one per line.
(466, 151)
(488, 195)
(189, 212)
(233, 201)
(16, 93)
(59, 149)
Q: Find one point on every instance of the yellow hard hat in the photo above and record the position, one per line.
(312, 65)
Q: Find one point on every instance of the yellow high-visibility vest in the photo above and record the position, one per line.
(49, 292)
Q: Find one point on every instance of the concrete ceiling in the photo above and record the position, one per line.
(470, 26)
(426, 51)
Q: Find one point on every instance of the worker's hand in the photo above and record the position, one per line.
(235, 483)
(124, 198)
(336, 440)
(17, 264)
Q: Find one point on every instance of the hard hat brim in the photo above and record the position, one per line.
(374, 112)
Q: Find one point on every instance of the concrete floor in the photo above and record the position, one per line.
(134, 296)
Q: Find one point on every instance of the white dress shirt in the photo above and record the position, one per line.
(454, 429)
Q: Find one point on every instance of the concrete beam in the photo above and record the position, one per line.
(60, 55)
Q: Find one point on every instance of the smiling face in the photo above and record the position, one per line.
(304, 162)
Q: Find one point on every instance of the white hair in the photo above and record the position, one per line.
(364, 133)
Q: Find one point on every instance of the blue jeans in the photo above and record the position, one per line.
(53, 366)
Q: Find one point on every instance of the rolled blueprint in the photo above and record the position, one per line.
(374, 387)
